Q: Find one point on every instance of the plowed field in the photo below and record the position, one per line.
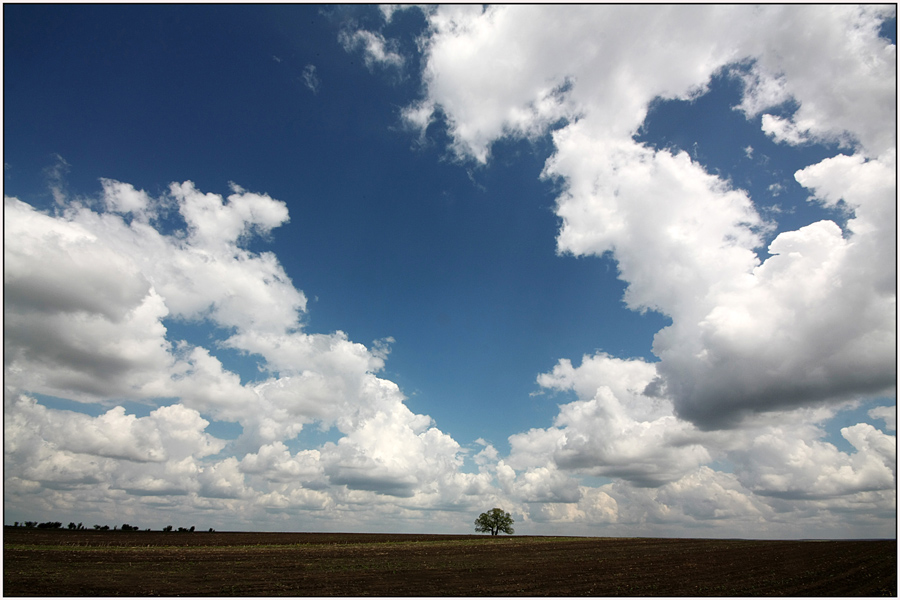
(115, 563)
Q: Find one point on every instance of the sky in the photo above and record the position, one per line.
(620, 270)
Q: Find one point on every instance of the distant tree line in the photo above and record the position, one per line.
(47, 525)
(73, 527)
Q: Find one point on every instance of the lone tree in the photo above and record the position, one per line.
(495, 521)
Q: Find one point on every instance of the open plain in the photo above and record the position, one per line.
(152, 563)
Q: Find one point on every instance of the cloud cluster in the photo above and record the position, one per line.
(767, 342)
(89, 293)
(834, 65)
(725, 435)
(663, 472)
(386, 460)
(142, 456)
(812, 323)
(613, 429)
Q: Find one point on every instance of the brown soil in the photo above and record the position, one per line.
(117, 563)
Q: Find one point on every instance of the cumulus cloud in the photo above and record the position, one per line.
(275, 462)
(888, 414)
(837, 69)
(812, 323)
(760, 335)
(63, 449)
(816, 470)
(708, 495)
(575, 62)
(663, 471)
(613, 429)
(88, 291)
(783, 130)
(97, 333)
(765, 343)
(594, 506)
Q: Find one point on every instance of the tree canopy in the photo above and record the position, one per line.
(494, 521)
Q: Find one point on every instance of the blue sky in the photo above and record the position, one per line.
(354, 268)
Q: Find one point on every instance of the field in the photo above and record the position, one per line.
(117, 563)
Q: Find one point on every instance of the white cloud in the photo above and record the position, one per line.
(640, 204)
(389, 10)
(200, 381)
(545, 484)
(662, 468)
(888, 414)
(761, 90)
(832, 62)
(215, 225)
(768, 348)
(784, 130)
(613, 429)
(223, 480)
(594, 506)
(146, 455)
(123, 198)
(820, 325)
(566, 62)
(376, 50)
(87, 293)
(815, 322)
(80, 318)
(797, 469)
(752, 342)
(276, 463)
(310, 78)
(390, 450)
(56, 178)
(43, 242)
(708, 495)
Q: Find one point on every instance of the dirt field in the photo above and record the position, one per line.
(115, 563)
